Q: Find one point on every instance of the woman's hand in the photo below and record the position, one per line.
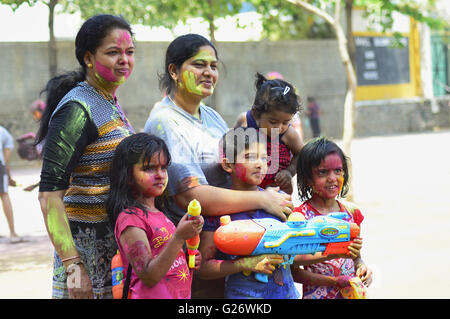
(79, 283)
(277, 204)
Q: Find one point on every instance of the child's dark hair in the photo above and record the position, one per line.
(239, 139)
(311, 155)
(179, 50)
(274, 94)
(88, 39)
(128, 153)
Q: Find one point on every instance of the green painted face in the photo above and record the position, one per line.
(205, 55)
(105, 83)
(189, 80)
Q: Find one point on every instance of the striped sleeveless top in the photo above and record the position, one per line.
(89, 186)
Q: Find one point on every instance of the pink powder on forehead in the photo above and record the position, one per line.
(124, 37)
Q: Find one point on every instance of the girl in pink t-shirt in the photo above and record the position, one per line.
(147, 240)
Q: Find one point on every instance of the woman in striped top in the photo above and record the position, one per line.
(81, 126)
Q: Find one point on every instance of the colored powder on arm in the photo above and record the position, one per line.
(58, 227)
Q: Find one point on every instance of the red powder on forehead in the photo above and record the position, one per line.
(331, 162)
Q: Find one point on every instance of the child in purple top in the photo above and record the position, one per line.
(147, 240)
(244, 157)
(275, 104)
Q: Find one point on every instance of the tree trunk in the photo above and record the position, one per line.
(52, 50)
(349, 102)
(214, 99)
(349, 30)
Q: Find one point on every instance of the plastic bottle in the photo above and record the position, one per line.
(194, 210)
(117, 276)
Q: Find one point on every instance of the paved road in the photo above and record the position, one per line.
(401, 183)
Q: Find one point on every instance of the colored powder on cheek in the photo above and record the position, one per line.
(341, 183)
(190, 83)
(104, 72)
(241, 172)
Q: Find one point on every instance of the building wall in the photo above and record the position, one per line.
(312, 66)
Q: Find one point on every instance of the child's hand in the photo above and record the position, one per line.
(343, 281)
(198, 260)
(365, 273)
(283, 178)
(189, 228)
(355, 248)
(262, 263)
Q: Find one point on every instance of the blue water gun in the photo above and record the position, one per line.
(329, 234)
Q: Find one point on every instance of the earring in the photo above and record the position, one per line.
(89, 65)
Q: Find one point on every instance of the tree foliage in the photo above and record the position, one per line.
(282, 21)
(162, 13)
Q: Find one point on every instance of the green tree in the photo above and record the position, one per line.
(166, 13)
(282, 21)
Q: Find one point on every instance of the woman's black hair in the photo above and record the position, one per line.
(311, 155)
(128, 153)
(88, 39)
(179, 50)
(274, 94)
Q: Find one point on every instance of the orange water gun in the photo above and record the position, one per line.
(194, 210)
(327, 234)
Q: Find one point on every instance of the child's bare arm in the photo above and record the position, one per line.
(309, 278)
(241, 120)
(212, 268)
(294, 142)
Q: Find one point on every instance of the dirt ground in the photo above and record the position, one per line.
(401, 183)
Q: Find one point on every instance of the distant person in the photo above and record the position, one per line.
(27, 148)
(322, 176)
(6, 145)
(82, 124)
(275, 104)
(313, 112)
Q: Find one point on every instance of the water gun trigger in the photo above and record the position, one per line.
(262, 277)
